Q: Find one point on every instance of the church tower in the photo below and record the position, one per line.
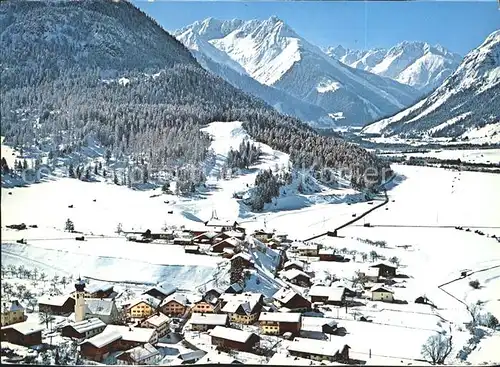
(80, 300)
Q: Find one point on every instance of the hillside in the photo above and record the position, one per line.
(273, 54)
(417, 64)
(92, 73)
(466, 105)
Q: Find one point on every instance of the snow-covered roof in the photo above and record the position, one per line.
(192, 355)
(177, 297)
(326, 251)
(104, 338)
(244, 256)
(242, 297)
(53, 300)
(165, 291)
(25, 328)
(87, 325)
(97, 306)
(280, 316)
(141, 352)
(12, 306)
(218, 357)
(230, 241)
(208, 319)
(158, 319)
(384, 263)
(284, 295)
(318, 347)
(333, 293)
(305, 246)
(380, 288)
(136, 334)
(191, 247)
(153, 302)
(294, 262)
(293, 273)
(233, 306)
(207, 234)
(281, 359)
(236, 335)
(235, 234)
(235, 287)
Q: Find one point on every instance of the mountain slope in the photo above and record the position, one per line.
(467, 100)
(218, 62)
(416, 64)
(273, 54)
(80, 74)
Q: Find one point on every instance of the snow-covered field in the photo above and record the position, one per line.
(472, 156)
(423, 202)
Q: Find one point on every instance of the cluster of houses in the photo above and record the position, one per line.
(133, 332)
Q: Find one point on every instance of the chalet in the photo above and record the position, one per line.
(234, 339)
(56, 305)
(278, 323)
(286, 297)
(212, 294)
(332, 350)
(83, 329)
(191, 357)
(228, 253)
(385, 270)
(273, 243)
(242, 260)
(192, 249)
(158, 321)
(12, 312)
(207, 238)
(103, 309)
(100, 346)
(318, 328)
(100, 291)
(223, 225)
(132, 336)
(380, 293)
(204, 322)
(159, 292)
(142, 307)
(234, 288)
(262, 235)
(328, 254)
(175, 304)
(228, 234)
(307, 250)
(297, 277)
(206, 305)
(242, 308)
(294, 264)
(141, 355)
(330, 295)
(230, 243)
(217, 357)
(22, 333)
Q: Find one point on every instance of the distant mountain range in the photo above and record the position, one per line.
(274, 55)
(416, 64)
(465, 105)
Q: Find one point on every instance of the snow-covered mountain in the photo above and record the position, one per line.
(467, 104)
(196, 38)
(417, 64)
(273, 54)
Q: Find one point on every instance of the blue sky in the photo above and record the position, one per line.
(458, 26)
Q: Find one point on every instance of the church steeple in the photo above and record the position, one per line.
(80, 300)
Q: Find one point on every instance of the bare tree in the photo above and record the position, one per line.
(394, 260)
(437, 348)
(46, 318)
(374, 256)
(43, 277)
(364, 256)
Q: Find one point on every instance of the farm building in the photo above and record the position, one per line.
(234, 339)
(294, 264)
(22, 333)
(207, 238)
(330, 295)
(242, 260)
(192, 249)
(158, 321)
(287, 297)
(327, 254)
(297, 277)
(100, 346)
(183, 241)
(83, 329)
(385, 270)
(56, 305)
(331, 350)
(204, 322)
(222, 225)
(191, 357)
(242, 308)
(159, 292)
(263, 236)
(132, 336)
(307, 250)
(278, 323)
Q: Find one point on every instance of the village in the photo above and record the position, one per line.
(230, 319)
